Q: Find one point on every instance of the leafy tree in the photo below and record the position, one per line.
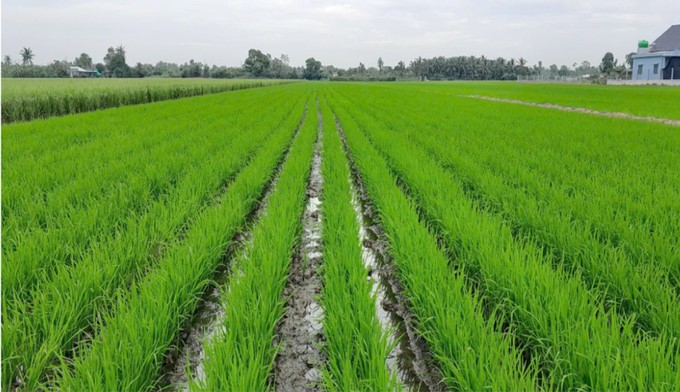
(191, 69)
(564, 71)
(629, 59)
(170, 70)
(400, 68)
(380, 64)
(26, 56)
(84, 61)
(115, 62)
(608, 63)
(58, 69)
(7, 61)
(142, 70)
(280, 69)
(257, 63)
(312, 69)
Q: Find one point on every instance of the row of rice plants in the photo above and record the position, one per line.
(466, 347)
(623, 189)
(71, 230)
(130, 349)
(30, 104)
(74, 225)
(40, 157)
(73, 300)
(658, 101)
(48, 181)
(241, 356)
(642, 224)
(567, 330)
(355, 346)
(604, 267)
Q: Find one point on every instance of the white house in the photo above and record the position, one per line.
(77, 72)
(661, 60)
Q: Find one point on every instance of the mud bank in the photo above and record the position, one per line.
(209, 316)
(299, 362)
(410, 359)
(665, 121)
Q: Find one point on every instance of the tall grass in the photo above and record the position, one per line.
(24, 100)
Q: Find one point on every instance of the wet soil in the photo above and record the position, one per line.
(209, 316)
(578, 110)
(300, 333)
(410, 359)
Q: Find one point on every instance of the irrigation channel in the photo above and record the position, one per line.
(410, 357)
(209, 318)
(299, 362)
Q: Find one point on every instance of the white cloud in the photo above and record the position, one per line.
(342, 33)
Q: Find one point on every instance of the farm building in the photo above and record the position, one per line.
(77, 72)
(659, 60)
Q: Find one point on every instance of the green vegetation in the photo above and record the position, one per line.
(655, 101)
(355, 346)
(46, 322)
(242, 357)
(533, 248)
(28, 99)
(562, 324)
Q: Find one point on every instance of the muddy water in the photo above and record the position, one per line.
(209, 317)
(410, 359)
(299, 362)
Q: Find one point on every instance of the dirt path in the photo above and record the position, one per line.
(410, 358)
(299, 362)
(209, 317)
(665, 121)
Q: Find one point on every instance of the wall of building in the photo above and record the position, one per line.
(648, 63)
(641, 82)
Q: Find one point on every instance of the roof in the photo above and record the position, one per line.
(78, 69)
(668, 41)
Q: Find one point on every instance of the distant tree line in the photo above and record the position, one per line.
(260, 65)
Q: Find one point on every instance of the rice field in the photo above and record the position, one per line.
(29, 99)
(341, 237)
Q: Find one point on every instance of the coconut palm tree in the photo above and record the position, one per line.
(26, 56)
(7, 61)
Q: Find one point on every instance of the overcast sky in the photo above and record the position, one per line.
(341, 33)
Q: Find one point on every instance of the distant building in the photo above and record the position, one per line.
(77, 72)
(661, 59)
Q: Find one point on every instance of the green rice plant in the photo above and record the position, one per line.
(603, 265)
(85, 215)
(241, 357)
(657, 101)
(467, 349)
(356, 348)
(565, 327)
(73, 300)
(29, 99)
(129, 351)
